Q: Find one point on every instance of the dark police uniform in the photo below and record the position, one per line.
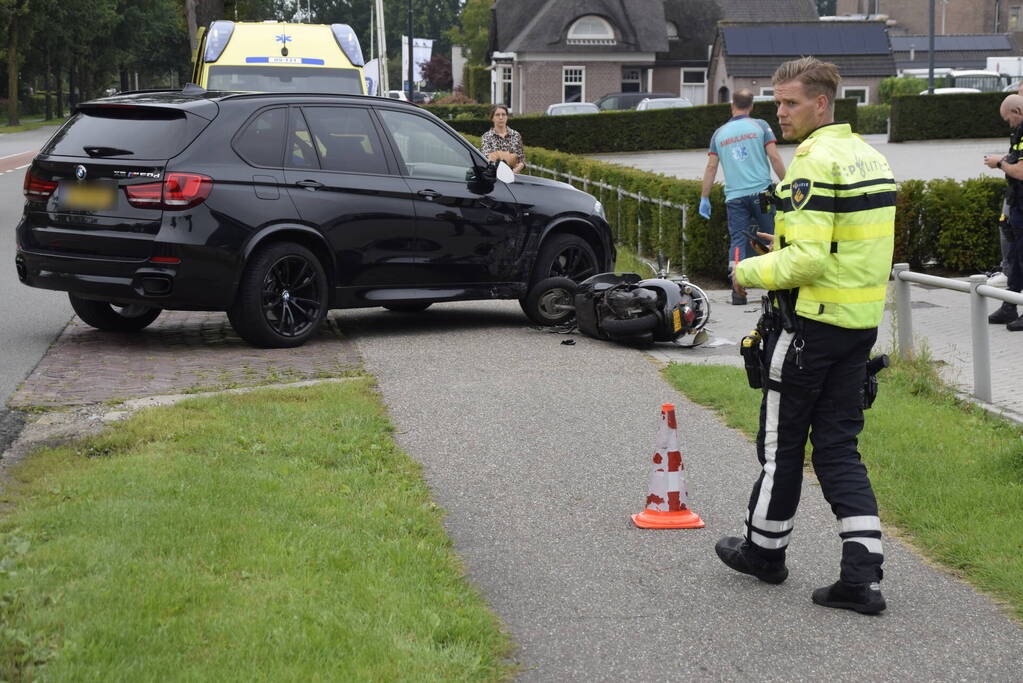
(834, 237)
(1013, 231)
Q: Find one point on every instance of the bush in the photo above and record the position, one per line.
(632, 131)
(895, 86)
(970, 115)
(477, 82)
(952, 222)
(460, 111)
(872, 118)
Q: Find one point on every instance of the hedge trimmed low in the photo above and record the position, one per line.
(947, 117)
(636, 131)
(953, 224)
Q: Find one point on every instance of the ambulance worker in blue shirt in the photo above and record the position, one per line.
(744, 147)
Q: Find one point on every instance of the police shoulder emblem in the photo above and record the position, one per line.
(802, 188)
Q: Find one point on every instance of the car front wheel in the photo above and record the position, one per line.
(565, 255)
(112, 318)
(282, 297)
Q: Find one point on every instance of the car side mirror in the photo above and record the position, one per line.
(481, 179)
(504, 173)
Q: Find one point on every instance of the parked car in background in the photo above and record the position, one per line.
(397, 95)
(951, 91)
(663, 103)
(619, 101)
(568, 108)
(277, 207)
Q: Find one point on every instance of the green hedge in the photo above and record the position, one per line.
(460, 111)
(634, 131)
(872, 118)
(945, 117)
(952, 223)
(476, 81)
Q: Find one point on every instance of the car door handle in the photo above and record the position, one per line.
(310, 184)
(429, 195)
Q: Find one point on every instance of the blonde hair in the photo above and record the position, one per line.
(817, 77)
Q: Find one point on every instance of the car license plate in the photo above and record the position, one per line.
(88, 196)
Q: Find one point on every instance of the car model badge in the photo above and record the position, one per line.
(802, 188)
(80, 172)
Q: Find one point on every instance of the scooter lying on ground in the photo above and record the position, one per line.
(623, 308)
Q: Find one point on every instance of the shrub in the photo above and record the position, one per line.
(477, 82)
(872, 118)
(895, 86)
(936, 117)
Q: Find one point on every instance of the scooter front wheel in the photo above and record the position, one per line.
(550, 301)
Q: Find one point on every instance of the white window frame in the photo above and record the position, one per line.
(672, 30)
(581, 82)
(703, 77)
(638, 80)
(768, 90)
(1015, 18)
(504, 78)
(579, 33)
(865, 89)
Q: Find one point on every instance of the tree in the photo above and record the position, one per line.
(437, 73)
(473, 31)
(826, 8)
(19, 28)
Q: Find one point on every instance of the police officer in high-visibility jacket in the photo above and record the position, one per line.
(826, 276)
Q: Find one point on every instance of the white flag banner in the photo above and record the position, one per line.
(371, 72)
(422, 51)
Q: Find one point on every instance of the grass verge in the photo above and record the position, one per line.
(947, 474)
(276, 535)
(30, 124)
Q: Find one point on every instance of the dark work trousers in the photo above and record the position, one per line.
(1013, 233)
(815, 384)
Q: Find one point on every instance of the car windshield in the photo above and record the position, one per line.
(285, 79)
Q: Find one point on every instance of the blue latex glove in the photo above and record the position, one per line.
(705, 207)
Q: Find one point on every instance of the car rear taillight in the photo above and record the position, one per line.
(36, 188)
(178, 191)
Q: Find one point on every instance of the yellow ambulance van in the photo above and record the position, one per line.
(274, 56)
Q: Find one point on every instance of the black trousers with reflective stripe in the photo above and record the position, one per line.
(815, 392)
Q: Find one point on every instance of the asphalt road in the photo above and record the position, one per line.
(31, 318)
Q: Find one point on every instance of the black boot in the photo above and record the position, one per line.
(864, 598)
(740, 556)
(1016, 325)
(1006, 313)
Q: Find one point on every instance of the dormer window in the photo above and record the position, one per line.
(591, 30)
(672, 31)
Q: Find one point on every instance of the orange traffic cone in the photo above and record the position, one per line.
(666, 504)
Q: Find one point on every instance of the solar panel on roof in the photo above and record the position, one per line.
(808, 39)
(964, 43)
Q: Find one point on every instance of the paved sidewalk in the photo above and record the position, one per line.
(182, 351)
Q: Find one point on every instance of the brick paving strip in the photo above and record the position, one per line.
(183, 351)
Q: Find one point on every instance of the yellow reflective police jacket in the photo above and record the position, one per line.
(834, 231)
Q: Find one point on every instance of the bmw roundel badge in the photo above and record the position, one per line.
(80, 172)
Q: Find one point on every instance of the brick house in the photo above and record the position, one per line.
(547, 51)
(745, 55)
(953, 17)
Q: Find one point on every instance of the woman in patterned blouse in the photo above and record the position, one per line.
(503, 143)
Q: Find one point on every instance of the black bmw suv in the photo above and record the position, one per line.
(278, 207)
